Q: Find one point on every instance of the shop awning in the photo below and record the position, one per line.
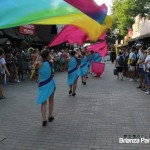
(140, 37)
(13, 33)
(3, 41)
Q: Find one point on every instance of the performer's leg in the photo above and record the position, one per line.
(71, 89)
(75, 86)
(43, 110)
(51, 104)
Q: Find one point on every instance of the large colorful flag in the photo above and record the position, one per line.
(92, 28)
(21, 12)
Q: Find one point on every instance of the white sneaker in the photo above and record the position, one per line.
(18, 81)
(131, 80)
(147, 93)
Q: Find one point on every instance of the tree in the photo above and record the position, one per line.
(124, 11)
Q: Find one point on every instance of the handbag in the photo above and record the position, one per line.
(115, 71)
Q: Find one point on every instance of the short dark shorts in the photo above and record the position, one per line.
(145, 75)
(119, 69)
(141, 72)
(2, 77)
(148, 78)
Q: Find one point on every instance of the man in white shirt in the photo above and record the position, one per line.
(140, 64)
(3, 68)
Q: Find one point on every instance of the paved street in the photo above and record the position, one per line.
(102, 112)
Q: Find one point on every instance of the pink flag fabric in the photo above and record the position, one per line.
(103, 52)
(69, 34)
(73, 34)
(103, 36)
(100, 47)
(98, 68)
(96, 12)
(97, 46)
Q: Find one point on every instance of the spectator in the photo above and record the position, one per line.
(112, 55)
(21, 58)
(133, 59)
(16, 66)
(120, 65)
(140, 65)
(125, 70)
(147, 63)
(10, 65)
(3, 68)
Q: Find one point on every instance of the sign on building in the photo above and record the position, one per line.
(27, 29)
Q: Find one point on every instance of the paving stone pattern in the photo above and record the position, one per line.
(102, 112)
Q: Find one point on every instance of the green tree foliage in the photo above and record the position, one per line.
(124, 11)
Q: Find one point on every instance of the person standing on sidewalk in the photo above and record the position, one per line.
(120, 65)
(132, 65)
(140, 65)
(147, 64)
(3, 69)
(46, 86)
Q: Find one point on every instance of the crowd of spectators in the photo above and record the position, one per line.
(16, 65)
(134, 63)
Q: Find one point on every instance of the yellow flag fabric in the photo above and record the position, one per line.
(92, 28)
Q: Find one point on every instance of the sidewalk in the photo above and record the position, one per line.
(102, 112)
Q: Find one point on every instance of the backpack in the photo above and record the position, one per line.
(121, 61)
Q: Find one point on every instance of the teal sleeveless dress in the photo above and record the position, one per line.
(91, 59)
(97, 57)
(83, 66)
(46, 83)
(73, 71)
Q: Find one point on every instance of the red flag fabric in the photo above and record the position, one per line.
(98, 68)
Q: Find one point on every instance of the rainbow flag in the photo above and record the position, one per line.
(20, 12)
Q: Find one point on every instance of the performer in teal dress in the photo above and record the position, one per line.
(46, 86)
(97, 57)
(73, 73)
(83, 67)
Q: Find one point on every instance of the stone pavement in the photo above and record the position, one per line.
(102, 112)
